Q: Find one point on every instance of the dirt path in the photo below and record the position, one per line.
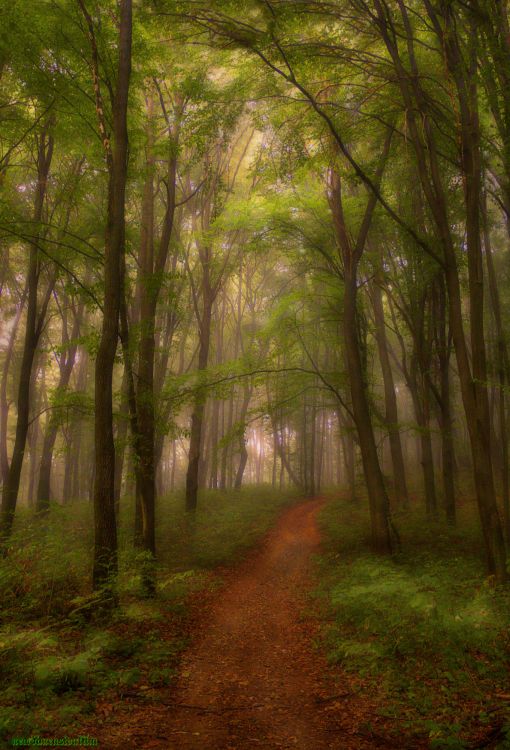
(251, 677)
(253, 668)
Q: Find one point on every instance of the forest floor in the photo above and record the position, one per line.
(251, 676)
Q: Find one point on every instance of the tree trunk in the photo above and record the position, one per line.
(105, 528)
(351, 254)
(472, 374)
(502, 371)
(197, 416)
(243, 452)
(378, 499)
(446, 420)
(33, 328)
(66, 367)
(146, 485)
(390, 398)
(4, 404)
(120, 440)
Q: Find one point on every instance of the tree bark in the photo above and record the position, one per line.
(4, 403)
(472, 373)
(351, 254)
(105, 528)
(502, 371)
(33, 328)
(197, 416)
(390, 398)
(66, 365)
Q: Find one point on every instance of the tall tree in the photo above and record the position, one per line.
(115, 146)
(35, 317)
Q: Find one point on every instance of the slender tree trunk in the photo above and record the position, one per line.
(66, 367)
(275, 462)
(502, 371)
(446, 423)
(4, 404)
(120, 441)
(378, 499)
(146, 488)
(390, 398)
(243, 452)
(313, 445)
(472, 371)
(76, 442)
(38, 397)
(197, 416)
(420, 398)
(69, 461)
(351, 254)
(105, 527)
(320, 452)
(174, 463)
(33, 328)
(215, 411)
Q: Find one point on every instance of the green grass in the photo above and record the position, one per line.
(226, 525)
(425, 627)
(56, 657)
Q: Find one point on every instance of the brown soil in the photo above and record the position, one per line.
(252, 677)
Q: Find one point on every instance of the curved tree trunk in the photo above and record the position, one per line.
(243, 453)
(351, 253)
(33, 327)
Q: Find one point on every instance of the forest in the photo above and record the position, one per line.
(255, 374)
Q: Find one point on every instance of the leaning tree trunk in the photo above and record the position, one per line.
(4, 404)
(351, 252)
(33, 329)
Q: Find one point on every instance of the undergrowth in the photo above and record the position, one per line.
(425, 627)
(57, 657)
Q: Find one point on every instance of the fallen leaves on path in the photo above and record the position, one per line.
(251, 677)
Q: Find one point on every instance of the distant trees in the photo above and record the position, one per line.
(297, 277)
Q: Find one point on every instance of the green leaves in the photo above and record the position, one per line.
(425, 627)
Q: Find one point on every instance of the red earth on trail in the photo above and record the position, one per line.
(252, 677)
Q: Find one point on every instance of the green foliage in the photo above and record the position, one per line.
(67, 405)
(56, 656)
(425, 626)
(225, 525)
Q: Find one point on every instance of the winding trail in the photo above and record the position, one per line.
(253, 669)
(251, 677)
